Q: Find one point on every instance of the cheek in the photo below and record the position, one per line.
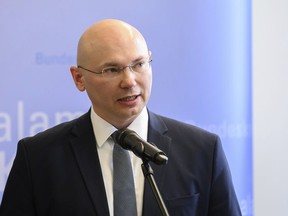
(93, 88)
(101, 90)
(147, 85)
(149, 81)
(89, 86)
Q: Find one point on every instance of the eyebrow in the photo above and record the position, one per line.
(112, 63)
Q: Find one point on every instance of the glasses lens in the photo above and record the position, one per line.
(138, 67)
(111, 71)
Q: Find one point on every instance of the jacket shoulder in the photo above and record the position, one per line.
(56, 133)
(181, 128)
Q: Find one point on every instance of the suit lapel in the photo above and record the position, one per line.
(156, 135)
(83, 144)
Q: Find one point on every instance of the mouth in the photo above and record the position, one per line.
(129, 98)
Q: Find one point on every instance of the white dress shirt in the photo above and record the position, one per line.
(102, 131)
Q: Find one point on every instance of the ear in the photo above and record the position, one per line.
(78, 78)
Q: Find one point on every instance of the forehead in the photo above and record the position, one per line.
(116, 49)
(111, 39)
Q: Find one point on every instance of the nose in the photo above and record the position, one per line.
(128, 66)
(128, 78)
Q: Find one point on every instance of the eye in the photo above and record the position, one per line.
(138, 65)
(110, 70)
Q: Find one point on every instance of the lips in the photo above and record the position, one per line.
(129, 98)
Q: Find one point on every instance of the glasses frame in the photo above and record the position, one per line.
(119, 68)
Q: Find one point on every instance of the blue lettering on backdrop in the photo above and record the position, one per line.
(201, 69)
(42, 58)
(13, 126)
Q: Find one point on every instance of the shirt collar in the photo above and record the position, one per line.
(103, 130)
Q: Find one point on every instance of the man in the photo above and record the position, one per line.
(68, 170)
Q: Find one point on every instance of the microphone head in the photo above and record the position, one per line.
(129, 140)
(120, 135)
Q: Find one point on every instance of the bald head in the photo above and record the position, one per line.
(106, 36)
(114, 45)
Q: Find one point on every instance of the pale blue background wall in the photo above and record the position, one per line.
(201, 67)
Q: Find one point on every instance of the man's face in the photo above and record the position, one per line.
(118, 100)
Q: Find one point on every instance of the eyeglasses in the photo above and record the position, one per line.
(114, 71)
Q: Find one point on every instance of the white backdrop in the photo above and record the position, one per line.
(270, 109)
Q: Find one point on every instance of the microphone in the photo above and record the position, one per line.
(130, 140)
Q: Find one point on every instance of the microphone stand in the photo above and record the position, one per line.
(148, 173)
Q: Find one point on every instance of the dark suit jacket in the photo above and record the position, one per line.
(57, 173)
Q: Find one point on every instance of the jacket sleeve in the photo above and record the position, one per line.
(223, 200)
(18, 196)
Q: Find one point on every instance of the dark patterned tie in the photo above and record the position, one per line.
(123, 183)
